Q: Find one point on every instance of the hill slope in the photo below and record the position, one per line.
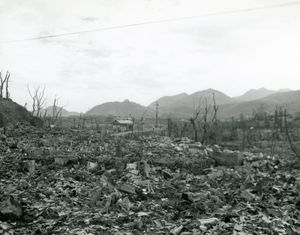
(186, 104)
(65, 113)
(289, 100)
(11, 113)
(122, 109)
(254, 94)
(166, 101)
(183, 105)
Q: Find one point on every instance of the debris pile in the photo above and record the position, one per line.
(65, 182)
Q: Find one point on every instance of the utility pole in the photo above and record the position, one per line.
(156, 116)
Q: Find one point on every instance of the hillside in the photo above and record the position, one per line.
(289, 100)
(166, 101)
(233, 107)
(65, 113)
(183, 105)
(256, 94)
(186, 104)
(122, 109)
(11, 113)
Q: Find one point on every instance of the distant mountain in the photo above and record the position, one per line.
(254, 94)
(289, 100)
(65, 113)
(200, 97)
(184, 104)
(165, 101)
(121, 109)
(284, 90)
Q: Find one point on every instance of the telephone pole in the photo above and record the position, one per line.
(156, 116)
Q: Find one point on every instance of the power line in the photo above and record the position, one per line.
(220, 13)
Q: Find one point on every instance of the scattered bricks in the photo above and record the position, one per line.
(209, 222)
(31, 165)
(10, 209)
(62, 161)
(131, 166)
(127, 188)
(228, 158)
(92, 166)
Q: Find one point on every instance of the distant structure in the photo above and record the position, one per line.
(122, 125)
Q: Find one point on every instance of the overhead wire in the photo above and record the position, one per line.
(125, 26)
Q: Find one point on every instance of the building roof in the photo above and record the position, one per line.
(123, 122)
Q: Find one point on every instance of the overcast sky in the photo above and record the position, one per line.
(231, 53)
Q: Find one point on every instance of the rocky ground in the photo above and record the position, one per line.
(81, 182)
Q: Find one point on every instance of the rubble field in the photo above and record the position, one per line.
(82, 182)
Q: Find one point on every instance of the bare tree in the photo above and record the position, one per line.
(169, 126)
(45, 113)
(81, 121)
(274, 134)
(243, 127)
(4, 83)
(233, 129)
(289, 138)
(205, 122)
(74, 121)
(215, 120)
(193, 120)
(38, 100)
(6, 88)
(80, 118)
(133, 124)
(56, 111)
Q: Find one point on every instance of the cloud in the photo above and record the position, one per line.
(231, 53)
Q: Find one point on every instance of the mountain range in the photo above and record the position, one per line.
(255, 94)
(289, 100)
(187, 104)
(184, 105)
(124, 109)
(64, 112)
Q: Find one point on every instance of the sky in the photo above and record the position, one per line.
(231, 53)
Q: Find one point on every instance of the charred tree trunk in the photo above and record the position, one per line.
(195, 130)
(6, 87)
(289, 138)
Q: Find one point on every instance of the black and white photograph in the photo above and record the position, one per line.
(129, 117)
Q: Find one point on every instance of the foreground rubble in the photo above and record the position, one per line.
(71, 182)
